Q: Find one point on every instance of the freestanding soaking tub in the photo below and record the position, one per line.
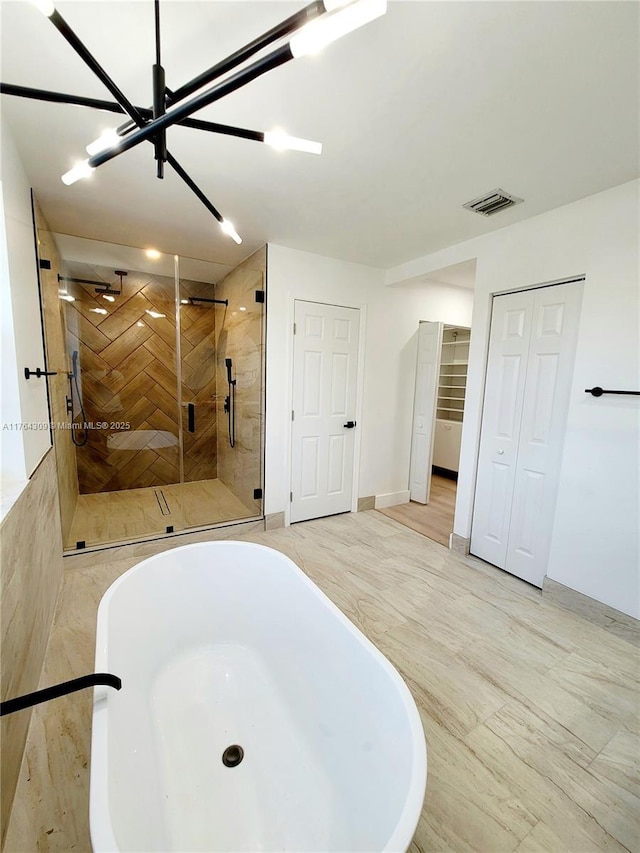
(253, 715)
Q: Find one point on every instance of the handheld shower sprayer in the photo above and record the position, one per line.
(73, 380)
(230, 403)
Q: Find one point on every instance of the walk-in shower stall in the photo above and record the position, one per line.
(158, 398)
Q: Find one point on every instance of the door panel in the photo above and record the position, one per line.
(335, 483)
(502, 414)
(424, 410)
(325, 366)
(546, 403)
(530, 366)
(309, 467)
(339, 383)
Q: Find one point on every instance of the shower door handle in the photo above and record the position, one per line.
(191, 417)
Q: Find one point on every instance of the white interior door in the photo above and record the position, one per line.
(424, 410)
(554, 333)
(325, 371)
(531, 356)
(501, 417)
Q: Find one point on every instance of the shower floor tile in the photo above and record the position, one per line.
(126, 515)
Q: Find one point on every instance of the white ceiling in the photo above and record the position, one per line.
(420, 111)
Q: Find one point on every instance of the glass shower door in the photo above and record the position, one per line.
(222, 364)
(120, 325)
(165, 391)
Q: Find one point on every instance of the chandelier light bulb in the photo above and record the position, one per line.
(281, 141)
(45, 6)
(107, 139)
(80, 170)
(332, 5)
(230, 231)
(327, 28)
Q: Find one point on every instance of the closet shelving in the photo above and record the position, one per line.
(452, 380)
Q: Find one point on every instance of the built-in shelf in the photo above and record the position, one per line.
(453, 365)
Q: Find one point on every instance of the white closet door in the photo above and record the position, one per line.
(424, 410)
(550, 363)
(529, 371)
(325, 372)
(502, 414)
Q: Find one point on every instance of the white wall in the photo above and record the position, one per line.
(594, 547)
(390, 326)
(23, 401)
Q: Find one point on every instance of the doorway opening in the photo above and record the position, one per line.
(439, 411)
(439, 400)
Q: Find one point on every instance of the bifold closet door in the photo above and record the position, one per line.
(529, 372)
(424, 410)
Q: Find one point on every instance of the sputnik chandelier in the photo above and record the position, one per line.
(305, 32)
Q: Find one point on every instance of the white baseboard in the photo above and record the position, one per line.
(392, 499)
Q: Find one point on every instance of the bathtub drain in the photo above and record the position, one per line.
(233, 755)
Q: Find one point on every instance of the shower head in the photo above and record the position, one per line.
(110, 290)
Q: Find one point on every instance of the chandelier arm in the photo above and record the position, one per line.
(112, 107)
(313, 10)
(171, 160)
(297, 20)
(159, 98)
(181, 111)
(87, 57)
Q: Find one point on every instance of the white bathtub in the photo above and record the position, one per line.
(226, 643)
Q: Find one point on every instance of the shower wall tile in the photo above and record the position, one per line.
(57, 359)
(31, 572)
(199, 380)
(241, 338)
(128, 375)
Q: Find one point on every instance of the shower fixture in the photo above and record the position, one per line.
(73, 380)
(101, 287)
(306, 31)
(230, 403)
(194, 300)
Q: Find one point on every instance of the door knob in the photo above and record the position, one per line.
(349, 425)
(500, 452)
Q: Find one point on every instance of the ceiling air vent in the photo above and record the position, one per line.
(492, 202)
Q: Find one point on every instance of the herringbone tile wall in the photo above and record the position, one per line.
(128, 375)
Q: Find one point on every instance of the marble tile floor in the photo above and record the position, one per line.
(531, 713)
(126, 515)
